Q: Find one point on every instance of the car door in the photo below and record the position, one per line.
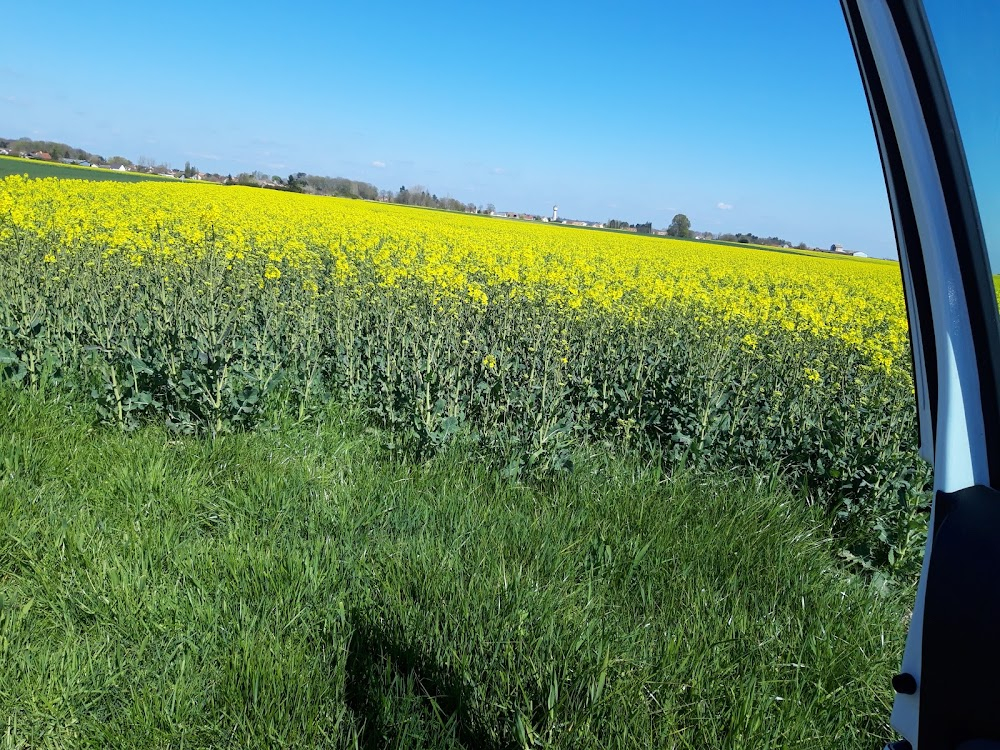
(948, 688)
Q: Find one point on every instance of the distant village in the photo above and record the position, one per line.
(621, 226)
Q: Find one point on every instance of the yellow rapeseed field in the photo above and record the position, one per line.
(469, 259)
(205, 308)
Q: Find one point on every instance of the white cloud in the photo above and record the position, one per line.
(379, 164)
(499, 170)
(725, 206)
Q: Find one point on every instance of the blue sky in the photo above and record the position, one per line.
(745, 116)
(966, 32)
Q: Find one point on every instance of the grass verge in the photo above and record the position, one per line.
(297, 587)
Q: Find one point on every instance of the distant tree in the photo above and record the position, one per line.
(189, 171)
(490, 208)
(418, 196)
(680, 226)
(801, 246)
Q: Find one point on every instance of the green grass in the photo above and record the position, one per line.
(37, 169)
(298, 587)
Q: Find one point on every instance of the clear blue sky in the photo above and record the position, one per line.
(746, 116)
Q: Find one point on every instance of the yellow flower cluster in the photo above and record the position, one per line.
(468, 259)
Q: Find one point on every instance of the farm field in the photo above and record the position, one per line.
(493, 484)
(40, 169)
(201, 306)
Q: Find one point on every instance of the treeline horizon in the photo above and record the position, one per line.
(344, 187)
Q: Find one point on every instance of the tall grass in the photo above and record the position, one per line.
(301, 587)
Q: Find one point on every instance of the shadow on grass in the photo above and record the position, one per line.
(403, 699)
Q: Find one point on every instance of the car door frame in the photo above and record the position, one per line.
(955, 335)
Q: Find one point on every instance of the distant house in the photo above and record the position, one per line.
(836, 248)
(42, 155)
(4, 152)
(860, 255)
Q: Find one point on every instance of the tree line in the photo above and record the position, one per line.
(748, 238)
(59, 151)
(343, 187)
(680, 226)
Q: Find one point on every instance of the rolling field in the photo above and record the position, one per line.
(369, 475)
(41, 169)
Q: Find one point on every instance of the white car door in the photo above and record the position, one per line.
(948, 689)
